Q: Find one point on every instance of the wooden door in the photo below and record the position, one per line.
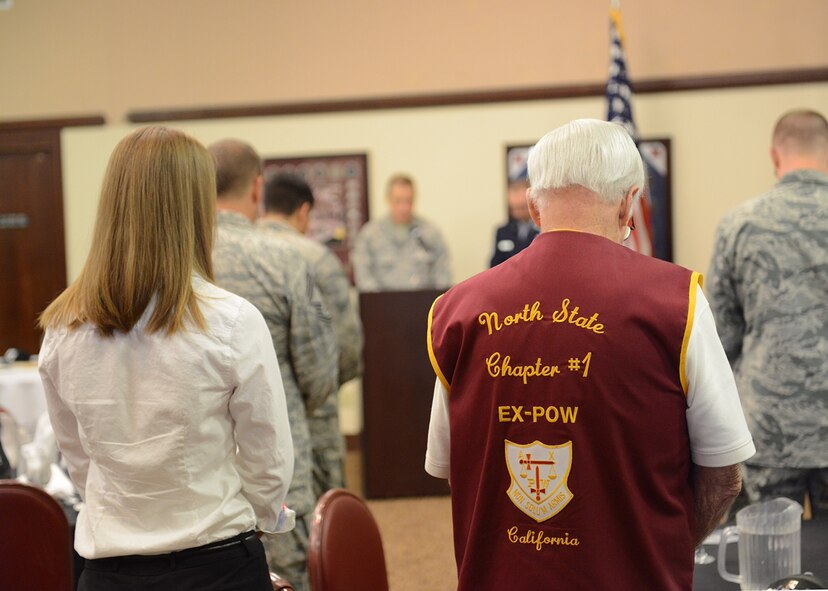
(32, 251)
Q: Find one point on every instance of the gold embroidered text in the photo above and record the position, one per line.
(552, 414)
(573, 317)
(492, 321)
(538, 539)
(504, 368)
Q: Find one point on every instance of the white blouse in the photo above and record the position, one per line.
(173, 441)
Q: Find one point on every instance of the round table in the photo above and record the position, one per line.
(21, 394)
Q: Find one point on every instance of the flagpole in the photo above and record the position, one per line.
(619, 110)
(615, 17)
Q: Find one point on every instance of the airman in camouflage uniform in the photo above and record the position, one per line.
(274, 278)
(400, 252)
(287, 201)
(768, 288)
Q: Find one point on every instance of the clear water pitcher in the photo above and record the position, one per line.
(768, 535)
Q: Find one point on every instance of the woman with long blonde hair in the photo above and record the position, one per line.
(164, 390)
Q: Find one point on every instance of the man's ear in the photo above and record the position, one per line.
(625, 207)
(302, 217)
(304, 212)
(774, 154)
(257, 189)
(534, 213)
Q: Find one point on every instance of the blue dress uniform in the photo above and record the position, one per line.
(511, 238)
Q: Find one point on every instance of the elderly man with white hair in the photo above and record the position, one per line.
(584, 410)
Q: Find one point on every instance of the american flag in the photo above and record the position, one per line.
(619, 110)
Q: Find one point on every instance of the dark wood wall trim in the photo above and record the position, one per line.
(483, 96)
(81, 121)
(733, 81)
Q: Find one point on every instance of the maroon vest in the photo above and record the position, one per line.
(570, 459)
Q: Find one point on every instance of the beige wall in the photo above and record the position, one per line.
(719, 140)
(102, 56)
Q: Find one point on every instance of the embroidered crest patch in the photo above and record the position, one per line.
(539, 475)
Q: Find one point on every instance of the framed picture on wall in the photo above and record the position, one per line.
(340, 190)
(656, 237)
(658, 196)
(516, 160)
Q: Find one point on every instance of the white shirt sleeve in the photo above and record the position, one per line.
(264, 453)
(438, 450)
(719, 435)
(64, 423)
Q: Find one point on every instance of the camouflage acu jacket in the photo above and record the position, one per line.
(388, 260)
(277, 280)
(335, 290)
(768, 289)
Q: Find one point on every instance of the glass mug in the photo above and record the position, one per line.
(769, 543)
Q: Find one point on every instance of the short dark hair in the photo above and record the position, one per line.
(399, 179)
(802, 131)
(237, 166)
(284, 193)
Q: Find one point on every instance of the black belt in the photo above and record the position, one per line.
(246, 544)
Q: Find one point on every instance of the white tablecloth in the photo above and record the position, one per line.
(21, 393)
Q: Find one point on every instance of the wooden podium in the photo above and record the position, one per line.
(397, 389)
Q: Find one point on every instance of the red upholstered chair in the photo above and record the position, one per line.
(345, 548)
(35, 543)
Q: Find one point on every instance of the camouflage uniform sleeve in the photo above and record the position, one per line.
(722, 293)
(336, 294)
(312, 340)
(363, 263)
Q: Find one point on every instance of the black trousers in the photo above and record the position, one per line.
(236, 564)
